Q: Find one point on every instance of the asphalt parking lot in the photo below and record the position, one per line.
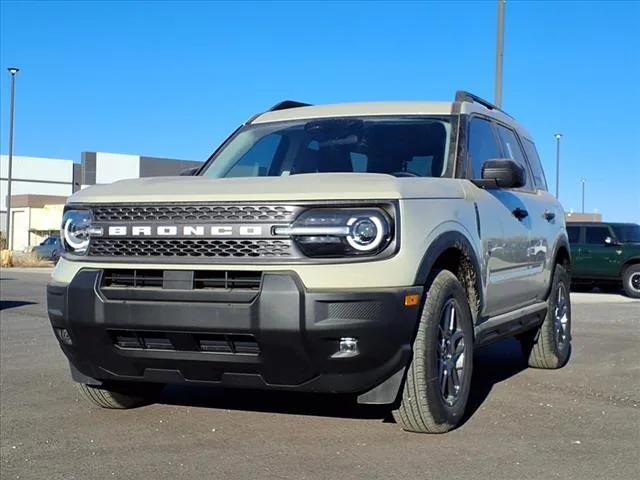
(581, 422)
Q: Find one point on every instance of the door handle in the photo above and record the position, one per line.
(520, 213)
(549, 215)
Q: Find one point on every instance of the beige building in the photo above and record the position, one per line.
(34, 218)
(583, 217)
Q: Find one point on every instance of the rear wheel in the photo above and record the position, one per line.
(121, 395)
(438, 381)
(549, 346)
(631, 281)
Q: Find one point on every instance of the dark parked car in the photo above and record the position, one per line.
(606, 253)
(49, 249)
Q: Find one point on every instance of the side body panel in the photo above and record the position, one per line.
(593, 261)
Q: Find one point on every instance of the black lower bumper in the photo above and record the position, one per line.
(281, 336)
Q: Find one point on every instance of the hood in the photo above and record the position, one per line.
(314, 186)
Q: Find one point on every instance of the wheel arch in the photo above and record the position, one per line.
(628, 262)
(562, 256)
(453, 251)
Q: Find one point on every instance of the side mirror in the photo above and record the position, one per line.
(501, 173)
(189, 172)
(610, 242)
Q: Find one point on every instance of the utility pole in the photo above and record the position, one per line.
(584, 181)
(499, 54)
(12, 71)
(558, 137)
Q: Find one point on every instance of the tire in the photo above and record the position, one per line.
(549, 346)
(631, 281)
(121, 395)
(425, 406)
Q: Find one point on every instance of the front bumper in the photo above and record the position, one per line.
(280, 337)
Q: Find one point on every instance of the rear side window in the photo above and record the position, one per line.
(574, 234)
(482, 145)
(512, 150)
(596, 235)
(539, 179)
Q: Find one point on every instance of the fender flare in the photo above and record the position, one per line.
(445, 241)
(627, 263)
(563, 241)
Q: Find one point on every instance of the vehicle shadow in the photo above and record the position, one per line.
(7, 304)
(492, 365)
(296, 403)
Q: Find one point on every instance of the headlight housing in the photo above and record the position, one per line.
(75, 231)
(334, 233)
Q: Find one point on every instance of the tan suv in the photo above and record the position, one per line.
(358, 248)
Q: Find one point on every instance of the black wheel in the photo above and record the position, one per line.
(631, 281)
(549, 346)
(120, 395)
(438, 381)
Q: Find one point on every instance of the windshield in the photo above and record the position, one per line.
(627, 233)
(404, 147)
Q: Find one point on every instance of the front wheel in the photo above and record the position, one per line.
(120, 395)
(631, 281)
(438, 381)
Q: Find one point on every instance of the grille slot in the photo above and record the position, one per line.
(132, 278)
(142, 340)
(216, 279)
(204, 248)
(215, 213)
(228, 343)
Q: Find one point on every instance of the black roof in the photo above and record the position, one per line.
(595, 224)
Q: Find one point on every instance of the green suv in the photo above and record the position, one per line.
(606, 253)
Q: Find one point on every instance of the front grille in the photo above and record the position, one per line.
(199, 213)
(205, 248)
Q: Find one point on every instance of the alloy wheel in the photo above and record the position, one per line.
(561, 316)
(451, 353)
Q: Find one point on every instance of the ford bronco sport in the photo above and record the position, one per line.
(606, 253)
(364, 248)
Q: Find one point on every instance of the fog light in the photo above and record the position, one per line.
(63, 336)
(348, 347)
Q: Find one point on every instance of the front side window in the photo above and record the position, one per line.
(482, 145)
(403, 147)
(627, 233)
(512, 150)
(539, 179)
(596, 235)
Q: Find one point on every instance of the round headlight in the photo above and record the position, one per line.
(75, 230)
(340, 232)
(366, 233)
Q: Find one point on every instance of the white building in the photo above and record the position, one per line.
(39, 187)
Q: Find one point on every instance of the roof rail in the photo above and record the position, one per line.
(464, 96)
(286, 104)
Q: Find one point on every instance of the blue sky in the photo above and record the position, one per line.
(172, 79)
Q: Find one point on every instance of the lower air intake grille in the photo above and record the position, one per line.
(197, 280)
(205, 248)
(229, 343)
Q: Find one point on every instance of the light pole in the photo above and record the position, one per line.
(12, 71)
(584, 181)
(499, 54)
(558, 137)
